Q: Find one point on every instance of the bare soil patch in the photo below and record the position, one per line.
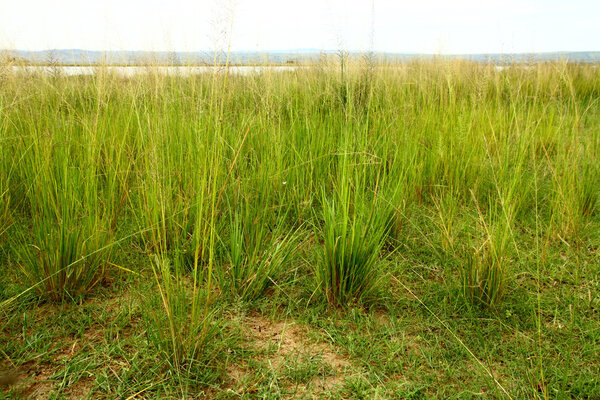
(282, 341)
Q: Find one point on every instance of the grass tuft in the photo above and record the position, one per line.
(354, 232)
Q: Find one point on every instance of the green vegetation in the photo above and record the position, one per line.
(354, 232)
(420, 230)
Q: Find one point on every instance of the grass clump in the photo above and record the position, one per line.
(484, 270)
(67, 249)
(483, 278)
(180, 318)
(62, 260)
(257, 252)
(353, 232)
(4, 205)
(180, 233)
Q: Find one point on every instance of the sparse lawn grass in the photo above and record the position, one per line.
(423, 230)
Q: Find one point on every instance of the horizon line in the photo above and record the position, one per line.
(303, 50)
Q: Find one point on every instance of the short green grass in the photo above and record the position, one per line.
(420, 230)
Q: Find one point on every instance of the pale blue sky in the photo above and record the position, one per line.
(425, 26)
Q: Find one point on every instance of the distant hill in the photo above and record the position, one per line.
(78, 56)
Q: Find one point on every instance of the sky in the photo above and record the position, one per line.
(418, 26)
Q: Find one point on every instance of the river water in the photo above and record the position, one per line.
(166, 70)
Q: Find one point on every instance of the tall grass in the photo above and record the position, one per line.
(176, 211)
(257, 251)
(68, 209)
(355, 226)
(243, 162)
(210, 181)
(7, 163)
(4, 197)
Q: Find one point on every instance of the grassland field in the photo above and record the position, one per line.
(424, 230)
